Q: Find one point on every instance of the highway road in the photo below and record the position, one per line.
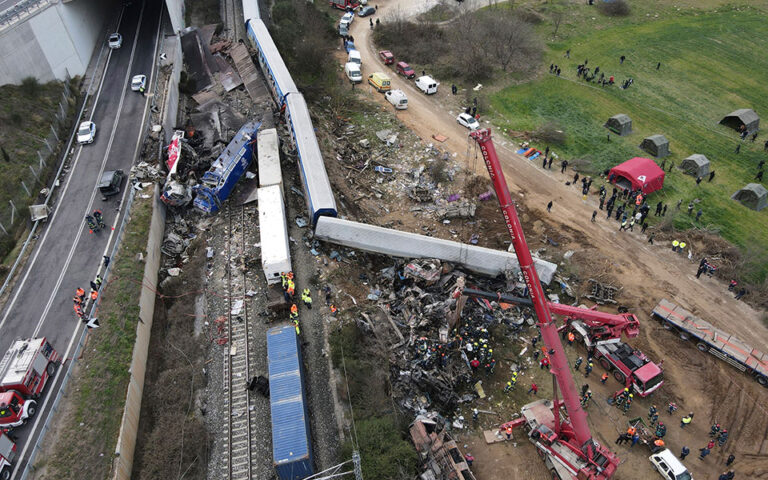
(66, 256)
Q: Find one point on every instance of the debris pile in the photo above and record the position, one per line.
(443, 340)
(438, 450)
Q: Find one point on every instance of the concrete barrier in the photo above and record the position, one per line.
(411, 245)
(129, 425)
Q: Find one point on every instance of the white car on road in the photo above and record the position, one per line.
(115, 40)
(468, 121)
(348, 18)
(86, 133)
(138, 82)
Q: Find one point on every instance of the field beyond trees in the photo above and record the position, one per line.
(712, 62)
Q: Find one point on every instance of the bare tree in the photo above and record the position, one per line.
(512, 41)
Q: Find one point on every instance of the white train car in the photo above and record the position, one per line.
(317, 186)
(275, 72)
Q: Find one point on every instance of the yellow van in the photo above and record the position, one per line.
(380, 81)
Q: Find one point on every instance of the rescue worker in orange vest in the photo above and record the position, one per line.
(658, 445)
(631, 431)
(333, 309)
(94, 295)
(603, 378)
(509, 432)
(77, 300)
(80, 293)
(290, 275)
(571, 338)
(294, 311)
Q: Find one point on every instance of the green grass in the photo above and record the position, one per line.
(26, 114)
(712, 63)
(98, 387)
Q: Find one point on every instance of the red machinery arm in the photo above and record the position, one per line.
(610, 325)
(559, 362)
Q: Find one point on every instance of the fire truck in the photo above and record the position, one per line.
(601, 333)
(563, 439)
(7, 456)
(24, 372)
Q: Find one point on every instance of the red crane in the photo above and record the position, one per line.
(569, 449)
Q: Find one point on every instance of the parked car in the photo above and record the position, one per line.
(349, 46)
(387, 57)
(343, 29)
(348, 18)
(352, 70)
(115, 40)
(397, 98)
(139, 83)
(405, 70)
(467, 120)
(110, 183)
(427, 84)
(365, 11)
(380, 81)
(354, 57)
(668, 466)
(86, 133)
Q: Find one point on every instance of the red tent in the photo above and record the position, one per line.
(638, 172)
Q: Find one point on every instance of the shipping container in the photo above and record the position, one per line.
(291, 440)
(273, 229)
(269, 159)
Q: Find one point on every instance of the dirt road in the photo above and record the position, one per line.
(647, 273)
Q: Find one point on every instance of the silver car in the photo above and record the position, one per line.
(86, 133)
(115, 40)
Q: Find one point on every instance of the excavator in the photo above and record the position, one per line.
(564, 442)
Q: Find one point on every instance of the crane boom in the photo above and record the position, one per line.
(558, 361)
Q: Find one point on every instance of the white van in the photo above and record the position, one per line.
(397, 98)
(352, 70)
(354, 57)
(668, 466)
(427, 84)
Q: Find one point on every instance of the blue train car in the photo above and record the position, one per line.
(317, 186)
(219, 181)
(276, 73)
(291, 440)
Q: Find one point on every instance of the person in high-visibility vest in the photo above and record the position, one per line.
(682, 247)
(283, 280)
(675, 244)
(80, 293)
(333, 309)
(306, 297)
(94, 295)
(294, 311)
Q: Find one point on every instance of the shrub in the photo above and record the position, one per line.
(550, 133)
(616, 8)
(30, 86)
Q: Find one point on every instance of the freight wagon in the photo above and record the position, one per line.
(291, 440)
(709, 338)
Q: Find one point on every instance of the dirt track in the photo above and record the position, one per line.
(647, 273)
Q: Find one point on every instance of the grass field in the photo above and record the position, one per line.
(712, 62)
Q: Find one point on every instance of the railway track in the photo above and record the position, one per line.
(232, 19)
(238, 365)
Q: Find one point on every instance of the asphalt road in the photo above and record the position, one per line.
(66, 256)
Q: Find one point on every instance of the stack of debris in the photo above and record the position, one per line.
(438, 450)
(440, 350)
(601, 293)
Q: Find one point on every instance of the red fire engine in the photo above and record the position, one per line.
(7, 455)
(24, 372)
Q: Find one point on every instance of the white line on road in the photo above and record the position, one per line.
(88, 210)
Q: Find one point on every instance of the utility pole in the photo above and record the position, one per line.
(356, 463)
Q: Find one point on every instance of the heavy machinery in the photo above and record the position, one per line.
(601, 333)
(566, 442)
(24, 372)
(344, 4)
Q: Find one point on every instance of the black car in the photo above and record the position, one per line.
(365, 11)
(110, 183)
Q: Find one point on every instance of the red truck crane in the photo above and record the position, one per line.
(601, 333)
(565, 443)
(24, 372)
